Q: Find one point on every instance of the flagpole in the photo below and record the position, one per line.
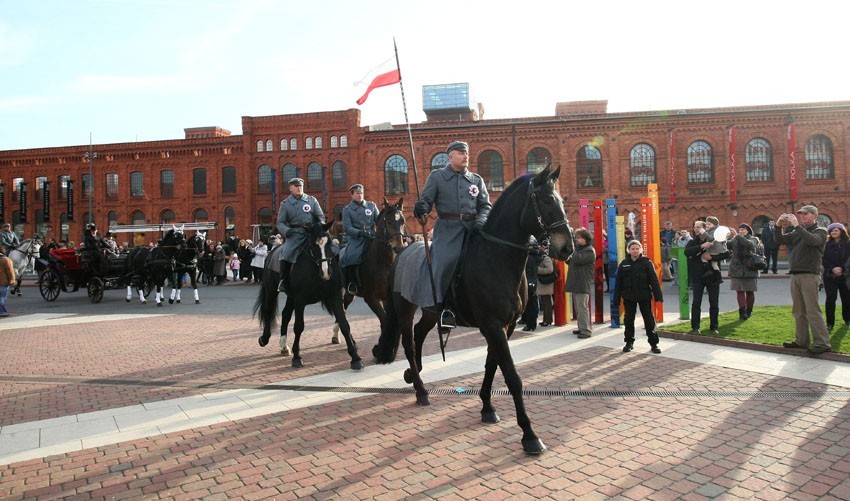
(423, 220)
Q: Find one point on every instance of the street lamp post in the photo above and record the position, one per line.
(90, 156)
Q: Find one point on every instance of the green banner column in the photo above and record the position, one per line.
(682, 278)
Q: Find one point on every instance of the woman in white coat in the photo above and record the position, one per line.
(259, 260)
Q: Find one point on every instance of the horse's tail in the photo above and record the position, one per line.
(266, 304)
(387, 347)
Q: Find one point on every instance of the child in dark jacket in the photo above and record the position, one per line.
(636, 284)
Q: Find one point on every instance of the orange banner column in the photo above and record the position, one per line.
(562, 305)
(655, 242)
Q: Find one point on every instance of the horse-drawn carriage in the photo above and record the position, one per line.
(67, 270)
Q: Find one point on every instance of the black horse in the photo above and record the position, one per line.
(491, 301)
(378, 257)
(157, 264)
(186, 262)
(315, 277)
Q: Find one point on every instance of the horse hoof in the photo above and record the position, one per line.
(285, 353)
(263, 340)
(170, 301)
(178, 301)
(334, 340)
(357, 366)
(198, 301)
(533, 446)
(408, 376)
(297, 363)
(422, 400)
(490, 417)
(128, 300)
(159, 304)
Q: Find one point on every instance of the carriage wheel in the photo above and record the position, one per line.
(95, 289)
(48, 284)
(147, 288)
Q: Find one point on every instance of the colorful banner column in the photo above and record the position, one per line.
(655, 243)
(584, 213)
(682, 277)
(562, 304)
(611, 249)
(621, 253)
(598, 276)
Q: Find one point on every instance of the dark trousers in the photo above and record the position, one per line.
(532, 309)
(546, 302)
(648, 320)
(713, 305)
(834, 288)
(771, 256)
(258, 274)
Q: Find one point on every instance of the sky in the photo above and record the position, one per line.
(143, 70)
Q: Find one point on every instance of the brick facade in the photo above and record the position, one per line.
(614, 135)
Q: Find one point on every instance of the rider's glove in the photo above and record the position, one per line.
(419, 209)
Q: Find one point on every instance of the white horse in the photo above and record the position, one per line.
(21, 256)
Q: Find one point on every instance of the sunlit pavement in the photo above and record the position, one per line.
(131, 401)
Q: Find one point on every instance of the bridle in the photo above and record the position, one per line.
(541, 232)
(387, 236)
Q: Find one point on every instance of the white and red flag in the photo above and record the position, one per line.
(382, 80)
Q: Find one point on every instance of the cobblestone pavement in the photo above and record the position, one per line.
(696, 422)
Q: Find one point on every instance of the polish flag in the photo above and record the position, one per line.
(382, 80)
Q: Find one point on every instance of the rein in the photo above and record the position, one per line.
(543, 229)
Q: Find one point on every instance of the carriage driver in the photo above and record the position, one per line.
(358, 221)
(297, 213)
(462, 204)
(8, 238)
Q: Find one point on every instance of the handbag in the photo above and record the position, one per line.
(547, 279)
(756, 262)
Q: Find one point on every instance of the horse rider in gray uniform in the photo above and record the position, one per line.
(296, 214)
(8, 238)
(358, 221)
(462, 204)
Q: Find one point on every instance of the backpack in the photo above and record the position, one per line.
(756, 260)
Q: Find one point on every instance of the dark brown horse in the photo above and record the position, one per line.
(491, 292)
(378, 259)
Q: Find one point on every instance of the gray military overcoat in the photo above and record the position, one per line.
(293, 215)
(450, 193)
(357, 219)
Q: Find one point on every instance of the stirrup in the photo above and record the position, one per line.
(352, 288)
(447, 319)
(281, 286)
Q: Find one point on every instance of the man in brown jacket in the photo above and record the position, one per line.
(7, 278)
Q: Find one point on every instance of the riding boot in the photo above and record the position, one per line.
(353, 279)
(749, 311)
(742, 314)
(285, 268)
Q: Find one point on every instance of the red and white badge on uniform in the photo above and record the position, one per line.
(473, 190)
(306, 208)
(368, 212)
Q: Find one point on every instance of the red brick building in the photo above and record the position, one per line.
(212, 175)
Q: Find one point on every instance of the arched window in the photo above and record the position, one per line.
(759, 223)
(308, 143)
(259, 146)
(167, 217)
(111, 219)
(318, 142)
(338, 228)
(293, 144)
(824, 220)
(264, 179)
(228, 179)
(339, 175)
(229, 216)
(138, 217)
(334, 142)
(289, 171)
(490, 167)
(137, 184)
(283, 144)
(200, 216)
(537, 160)
(269, 146)
(266, 217)
(343, 141)
(700, 163)
(439, 161)
(819, 163)
(314, 177)
(395, 175)
(588, 167)
(642, 165)
(758, 160)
